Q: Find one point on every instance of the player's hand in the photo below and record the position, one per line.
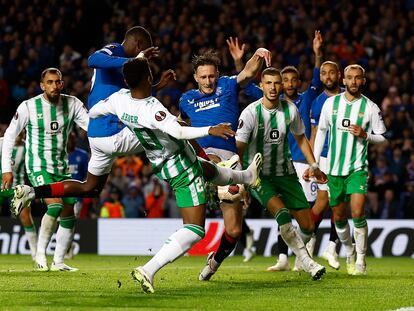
(166, 77)
(357, 131)
(320, 176)
(307, 175)
(222, 130)
(236, 51)
(266, 55)
(151, 52)
(317, 43)
(6, 181)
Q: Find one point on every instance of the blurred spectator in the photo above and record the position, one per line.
(134, 202)
(154, 202)
(112, 207)
(129, 165)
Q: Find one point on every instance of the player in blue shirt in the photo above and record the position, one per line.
(216, 101)
(330, 75)
(108, 137)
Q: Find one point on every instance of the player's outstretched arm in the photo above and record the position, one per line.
(253, 65)
(102, 108)
(236, 52)
(101, 60)
(317, 48)
(222, 130)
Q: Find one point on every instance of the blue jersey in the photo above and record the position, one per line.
(107, 79)
(218, 107)
(78, 164)
(316, 109)
(303, 102)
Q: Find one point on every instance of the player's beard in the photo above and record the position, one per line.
(53, 97)
(354, 93)
(331, 87)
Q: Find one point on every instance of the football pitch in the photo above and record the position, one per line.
(103, 282)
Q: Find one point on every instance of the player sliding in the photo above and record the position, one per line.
(173, 160)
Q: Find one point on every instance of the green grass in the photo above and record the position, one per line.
(104, 283)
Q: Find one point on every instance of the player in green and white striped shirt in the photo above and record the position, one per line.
(25, 217)
(263, 127)
(353, 121)
(172, 158)
(48, 119)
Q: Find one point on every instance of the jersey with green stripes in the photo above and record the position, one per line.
(266, 131)
(347, 152)
(47, 127)
(150, 121)
(18, 163)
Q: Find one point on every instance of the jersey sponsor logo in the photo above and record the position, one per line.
(241, 124)
(346, 122)
(54, 125)
(206, 104)
(130, 119)
(160, 115)
(274, 137)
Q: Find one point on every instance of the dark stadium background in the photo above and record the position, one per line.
(379, 35)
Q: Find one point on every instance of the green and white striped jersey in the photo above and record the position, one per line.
(155, 128)
(18, 163)
(47, 129)
(348, 153)
(266, 131)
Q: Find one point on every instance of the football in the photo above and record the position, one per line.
(231, 193)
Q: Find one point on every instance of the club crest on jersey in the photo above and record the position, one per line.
(160, 115)
(218, 90)
(241, 123)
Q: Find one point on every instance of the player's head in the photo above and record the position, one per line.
(330, 75)
(51, 84)
(137, 73)
(206, 71)
(354, 79)
(136, 39)
(291, 81)
(271, 83)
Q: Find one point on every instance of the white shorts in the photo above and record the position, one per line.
(104, 150)
(309, 188)
(323, 163)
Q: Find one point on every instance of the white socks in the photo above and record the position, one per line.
(175, 246)
(47, 227)
(64, 237)
(344, 235)
(292, 238)
(227, 176)
(32, 239)
(361, 241)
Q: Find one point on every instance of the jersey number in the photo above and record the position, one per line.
(40, 180)
(150, 142)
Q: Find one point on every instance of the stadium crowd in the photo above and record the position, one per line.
(379, 35)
